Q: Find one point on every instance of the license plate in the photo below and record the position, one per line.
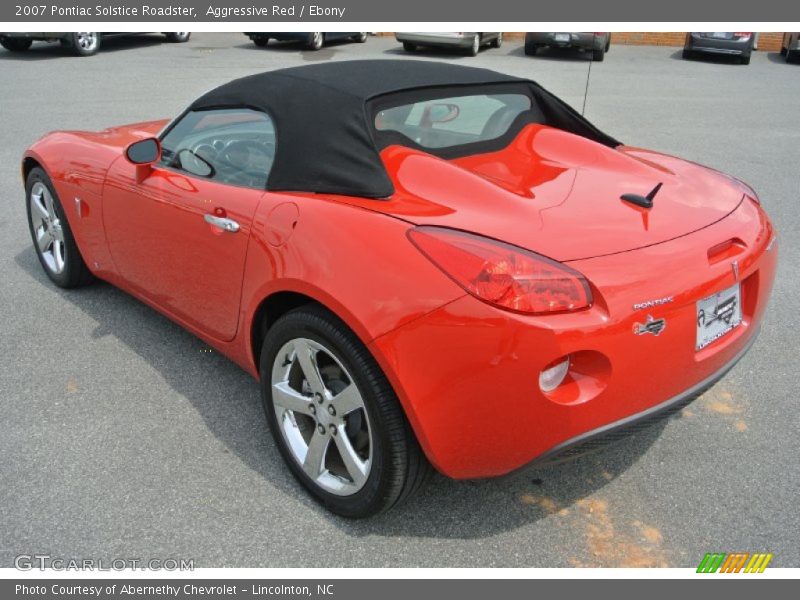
(562, 37)
(722, 35)
(717, 315)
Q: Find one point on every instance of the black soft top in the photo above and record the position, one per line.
(325, 140)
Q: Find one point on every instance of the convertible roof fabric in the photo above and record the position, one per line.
(324, 136)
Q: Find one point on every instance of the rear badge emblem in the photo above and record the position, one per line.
(654, 326)
(652, 303)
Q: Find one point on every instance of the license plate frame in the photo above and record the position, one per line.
(718, 315)
(561, 37)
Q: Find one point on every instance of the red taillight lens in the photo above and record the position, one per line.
(743, 34)
(502, 274)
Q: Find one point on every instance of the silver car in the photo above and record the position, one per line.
(471, 42)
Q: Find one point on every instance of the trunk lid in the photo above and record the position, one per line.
(557, 194)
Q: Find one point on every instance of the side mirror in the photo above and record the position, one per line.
(143, 152)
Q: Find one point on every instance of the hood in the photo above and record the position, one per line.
(558, 194)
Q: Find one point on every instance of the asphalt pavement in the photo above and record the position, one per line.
(121, 436)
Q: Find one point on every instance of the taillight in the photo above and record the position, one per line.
(745, 35)
(503, 275)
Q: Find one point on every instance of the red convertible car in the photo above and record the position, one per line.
(425, 265)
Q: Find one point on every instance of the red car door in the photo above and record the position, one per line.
(167, 233)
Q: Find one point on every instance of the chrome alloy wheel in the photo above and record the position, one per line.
(321, 416)
(86, 40)
(47, 228)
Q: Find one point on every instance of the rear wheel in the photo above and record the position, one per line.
(52, 237)
(334, 416)
(498, 41)
(15, 44)
(316, 40)
(687, 54)
(608, 43)
(598, 55)
(531, 48)
(476, 45)
(783, 50)
(792, 56)
(85, 43)
(361, 37)
(178, 37)
(409, 47)
(261, 42)
(745, 59)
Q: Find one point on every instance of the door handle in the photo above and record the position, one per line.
(222, 222)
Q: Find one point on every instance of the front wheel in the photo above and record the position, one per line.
(52, 237)
(335, 418)
(15, 44)
(409, 47)
(316, 40)
(85, 43)
(178, 37)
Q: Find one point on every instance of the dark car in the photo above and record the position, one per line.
(739, 44)
(82, 43)
(790, 47)
(313, 40)
(597, 43)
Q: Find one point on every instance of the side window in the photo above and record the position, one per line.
(234, 146)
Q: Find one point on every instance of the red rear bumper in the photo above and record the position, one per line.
(467, 373)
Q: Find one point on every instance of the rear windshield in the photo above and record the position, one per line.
(452, 121)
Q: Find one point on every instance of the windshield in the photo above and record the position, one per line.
(451, 121)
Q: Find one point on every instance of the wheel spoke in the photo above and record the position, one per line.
(314, 462)
(347, 400)
(38, 204)
(290, 399)
(356, 468)
(43, 240)
(48, 202)
(58, 255)
(307, 357)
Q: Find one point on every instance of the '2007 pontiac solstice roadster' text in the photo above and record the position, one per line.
(425, 265)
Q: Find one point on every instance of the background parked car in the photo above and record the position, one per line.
(720, 42)
(314, 40)
(790, 47)
(83, 43)
(469, 41)
(597, 43)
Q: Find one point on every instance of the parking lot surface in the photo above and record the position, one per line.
(121, 435)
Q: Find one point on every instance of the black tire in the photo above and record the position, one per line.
(178, 37)
(792, 56)
(531, 49)
(784, 50)
(745, 59)
(498, 41)
(83, 47)
(687, 54)
(409, 47)
(15, 44)
(398, 466)
(608, 43)
(316, 41)
(598, 55)
(475, 47)
(75, 272)
(261, 41)
(361, 37)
